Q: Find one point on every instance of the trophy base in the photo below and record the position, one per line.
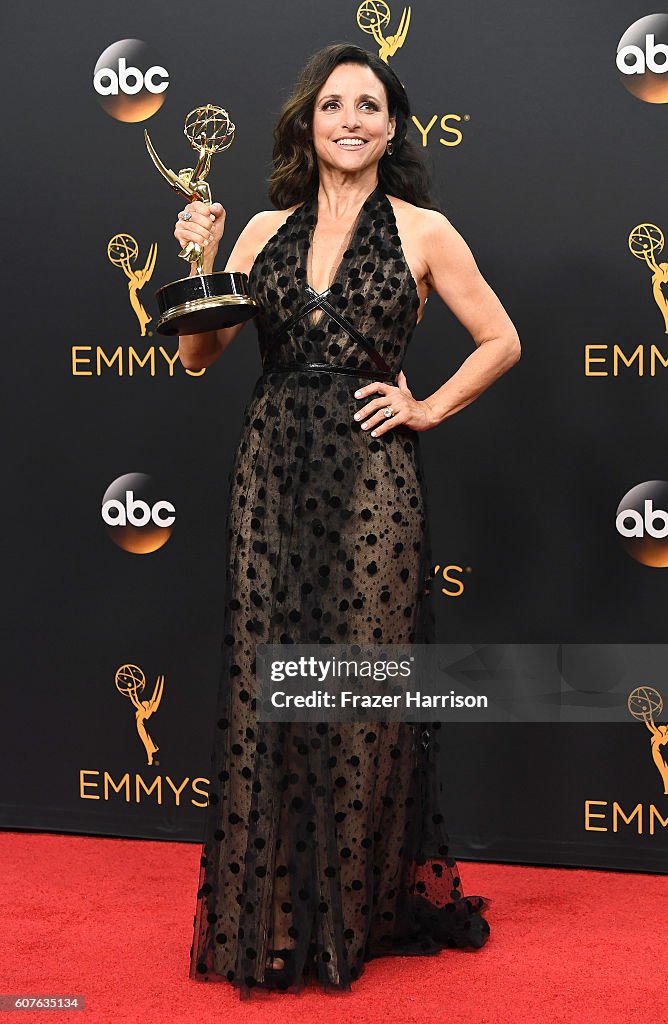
(204, 302)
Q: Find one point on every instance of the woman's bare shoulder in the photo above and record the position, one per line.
(258, 231)
(417, 219)
(264, 224)
(421, 232)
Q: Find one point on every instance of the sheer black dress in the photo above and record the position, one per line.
(327, 839)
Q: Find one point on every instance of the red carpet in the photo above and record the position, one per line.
(111, 919)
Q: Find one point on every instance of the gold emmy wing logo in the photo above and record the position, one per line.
(644, 703)
(130, 682)
(122, 251)
(645, 242)
(373, 16)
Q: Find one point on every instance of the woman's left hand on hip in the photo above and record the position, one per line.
(407, 411)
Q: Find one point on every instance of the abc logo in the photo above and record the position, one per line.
(136, 518)
(129, 84)
(642, 58)
(642, 523)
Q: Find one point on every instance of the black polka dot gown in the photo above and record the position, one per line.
(325, 838)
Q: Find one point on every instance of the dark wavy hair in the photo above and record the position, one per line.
(295, 173)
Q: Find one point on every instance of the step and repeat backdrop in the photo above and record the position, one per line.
(544, 128)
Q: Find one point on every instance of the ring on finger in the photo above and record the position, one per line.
(185, 215)
(388, 411)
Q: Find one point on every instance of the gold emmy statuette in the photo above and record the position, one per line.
(203, 302)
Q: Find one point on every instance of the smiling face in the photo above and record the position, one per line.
(351, 120)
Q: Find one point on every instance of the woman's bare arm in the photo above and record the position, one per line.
(454, 275)
(197, 351)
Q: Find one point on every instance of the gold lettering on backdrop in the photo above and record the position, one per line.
(589, 814)
(118, 355)
(455, 132)
(77, 359)
(457, 585)
(628, 362)
(172, 361)
(85, 783)
(618, 812)
(177, 792)
(656, 354)
(649, 814)
(141, 785)
(133, 358)
(590, 358)
(424, 132)
(104, 787)
(93, 361)
(448, 129)
(123, 784)
(201, 792)
(612, 357)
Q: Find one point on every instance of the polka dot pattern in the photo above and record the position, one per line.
(325, 838)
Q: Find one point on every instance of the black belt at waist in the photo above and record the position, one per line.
(352, 371)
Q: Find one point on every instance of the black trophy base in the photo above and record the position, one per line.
(205, 302)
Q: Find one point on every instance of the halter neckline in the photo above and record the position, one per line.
(310, 211)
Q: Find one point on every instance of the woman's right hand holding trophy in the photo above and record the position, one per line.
(202, 224)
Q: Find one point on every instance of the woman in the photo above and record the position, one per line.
(325, 844)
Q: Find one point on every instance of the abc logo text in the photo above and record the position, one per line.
(138, 519)
(129, 81)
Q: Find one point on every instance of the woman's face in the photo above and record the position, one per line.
(351, 121)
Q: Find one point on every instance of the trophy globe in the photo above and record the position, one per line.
(201, 302)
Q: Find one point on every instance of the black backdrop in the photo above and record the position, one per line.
(555, 164)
